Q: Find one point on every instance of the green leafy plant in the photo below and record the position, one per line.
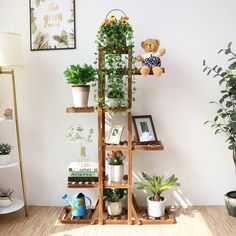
(5, 148)
(114, 36)
(115, 158)
(6, 193)
(80, 75)
(225, 119)
(157, 184)
(114, 194)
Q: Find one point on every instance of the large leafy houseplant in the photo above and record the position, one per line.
(225, 118)
(113, 36)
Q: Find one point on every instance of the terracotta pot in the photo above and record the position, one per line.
(115, 173)
(230, 202)
(5, 159)
(5, 201)
(114, 208)
(156, 209)
(80, 95)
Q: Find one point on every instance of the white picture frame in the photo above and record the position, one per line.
(114, 134)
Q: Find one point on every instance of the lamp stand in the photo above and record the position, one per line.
(11, 72)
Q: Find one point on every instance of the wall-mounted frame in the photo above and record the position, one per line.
(114, 134)
(144, 129)
(52, 24)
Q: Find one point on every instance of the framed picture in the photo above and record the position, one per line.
(52, 24)
(144, 129)
(114, 134)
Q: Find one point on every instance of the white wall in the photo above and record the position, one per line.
(178, 102)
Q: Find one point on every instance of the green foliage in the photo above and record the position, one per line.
(114, 194)
(5, 193)
(115, 158)
(5, 148)
(225, 118)
(114, 36)
(157, 184)
(80, 75)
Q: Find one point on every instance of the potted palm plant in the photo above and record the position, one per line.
(79, 76)
(5, 197)
(115, 166)
(113, 199)
(157, 185)
(225, 119)
(5, 153)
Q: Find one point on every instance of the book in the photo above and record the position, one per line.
(82, 179)
(77, 166)
(83, 174)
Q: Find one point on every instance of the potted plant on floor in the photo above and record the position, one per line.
(157, 185)
(113, 199)
(115, 166)
(79, 76)
(225, 119)
(5, 197)
(5, 153)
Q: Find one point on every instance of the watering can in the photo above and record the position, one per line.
(77, 204)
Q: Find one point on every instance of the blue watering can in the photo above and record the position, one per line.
(78, 206)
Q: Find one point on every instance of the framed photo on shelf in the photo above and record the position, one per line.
(52, 25)
(115, 134)
(144, 129)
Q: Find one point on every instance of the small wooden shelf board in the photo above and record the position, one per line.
(66, 217)
(9, 165)
(16, 205)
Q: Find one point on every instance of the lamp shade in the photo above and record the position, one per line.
(10, 50)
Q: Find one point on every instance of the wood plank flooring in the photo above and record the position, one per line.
(199, 221)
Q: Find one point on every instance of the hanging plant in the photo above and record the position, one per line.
(114, 37)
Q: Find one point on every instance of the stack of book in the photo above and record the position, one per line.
(80, 173)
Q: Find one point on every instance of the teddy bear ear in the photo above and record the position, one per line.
(142, 44)
(158, 42)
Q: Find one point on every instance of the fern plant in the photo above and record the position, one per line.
(5, 148)
(80, 75)
(157, 184)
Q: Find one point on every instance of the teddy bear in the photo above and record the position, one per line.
(151, 58)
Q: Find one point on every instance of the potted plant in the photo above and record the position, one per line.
(115, 166)
(157, 185)
(5, 197)
(79, 76)
(225, 119)
(113, 199)
(114, 35)
(5, 151)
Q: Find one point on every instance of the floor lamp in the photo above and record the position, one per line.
(10, 59)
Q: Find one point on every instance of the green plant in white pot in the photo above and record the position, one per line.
(157, 185)
(5, 153)
(5, 197)
(225, 119)
(80, 77)
(113, 199)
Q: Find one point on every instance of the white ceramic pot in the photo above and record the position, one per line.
(80, 95)
(114, 208)
(5, 159)
(5, 201)
(156, 209)
(115, 173)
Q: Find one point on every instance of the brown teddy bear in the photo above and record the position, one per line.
(151, 57)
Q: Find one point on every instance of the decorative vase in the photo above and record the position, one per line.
(230, 202)
(83, 157)
(5, 201)
(115, 173)
(80, 95)
(5, 159)
(155, 208)
(114, 208)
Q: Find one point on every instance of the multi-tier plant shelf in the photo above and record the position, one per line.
(133, 214)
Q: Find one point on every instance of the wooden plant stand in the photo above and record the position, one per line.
(98, 215)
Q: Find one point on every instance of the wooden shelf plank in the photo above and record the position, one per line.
(79, 109)
(158, 147)
(116, 109)
(82, 185)
(112, 147)
(116, 185)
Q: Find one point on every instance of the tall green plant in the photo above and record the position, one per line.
(225, 119)
(157, 184)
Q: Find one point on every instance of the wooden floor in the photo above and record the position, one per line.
(199, 221)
